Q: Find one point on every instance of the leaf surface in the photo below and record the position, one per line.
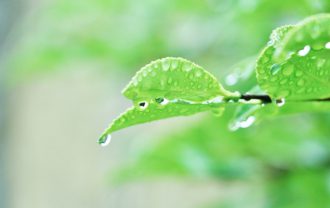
(167, 88)
(295, 65)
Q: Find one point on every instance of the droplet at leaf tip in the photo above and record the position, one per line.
(167, 88)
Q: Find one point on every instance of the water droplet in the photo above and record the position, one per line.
(320, 63)
(316, 31)
(274, 79)
(287, 71)
(174, 64)
(301, 82)
(162, 101)
(275, 68)
(317, 46)
(105, 140)
(166, 64)
(280, 102)
(299, 37)
(231, 79)
(301, 91)
(283, 81)
(327, 45)
(248, 122)
(299, 73)
(121, 120)
(304, 51)
(143, 105)
(198, 73)
(135, 82)
(218, 111)
(187, 67)
(153, 74)
(218, 99)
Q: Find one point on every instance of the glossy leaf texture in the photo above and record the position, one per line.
(174, 78)
(170, 87)
(296, 63)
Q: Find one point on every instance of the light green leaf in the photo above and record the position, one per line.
(174, 78)
(166, 88)
(295, 65)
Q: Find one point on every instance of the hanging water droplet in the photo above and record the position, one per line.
(280, 102)
(143, 105)
(248, 122)
(304, 51)
(327, 45)
(275, 68)
(105, 140)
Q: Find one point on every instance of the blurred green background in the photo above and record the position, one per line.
(63, 65)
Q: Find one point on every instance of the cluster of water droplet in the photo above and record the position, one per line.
(290, 73)
(173, 74)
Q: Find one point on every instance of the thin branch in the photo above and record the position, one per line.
(267, 99)
(263, 98)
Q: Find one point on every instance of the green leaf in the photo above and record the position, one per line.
(166, 88)
(295, 65)
(174, 78)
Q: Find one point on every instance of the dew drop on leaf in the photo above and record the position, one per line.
(143, 105)
(280, 102)
(287, 71)
(105, 140)
(299, 73)
(320, 63)
(162, 101)
(275, 68)
(301, 82)
(304, 51)
(166, 64)
(187, 67)
(198, 74)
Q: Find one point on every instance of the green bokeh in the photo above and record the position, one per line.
(288, 156)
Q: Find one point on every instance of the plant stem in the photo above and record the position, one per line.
(263, 98)
(267, 99)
